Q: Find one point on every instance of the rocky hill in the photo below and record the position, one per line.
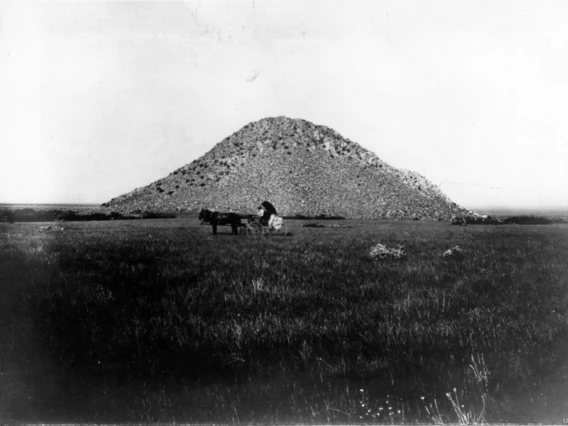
(302, 168)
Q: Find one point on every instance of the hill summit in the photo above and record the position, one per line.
(302, 168)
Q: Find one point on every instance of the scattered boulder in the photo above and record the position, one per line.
(381, 251)
(51, 228)
(455, 251)
(474, 219)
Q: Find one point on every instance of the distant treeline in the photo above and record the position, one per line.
(511, 220)
(32, 215)
(530, 220)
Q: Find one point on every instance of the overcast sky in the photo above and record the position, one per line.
(98, 98)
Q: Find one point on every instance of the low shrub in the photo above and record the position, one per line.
(313, 225)
(155, 215)
(527, 220)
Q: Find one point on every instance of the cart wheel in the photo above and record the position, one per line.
(254, 228)
(281, 232)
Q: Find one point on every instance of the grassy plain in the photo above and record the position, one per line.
(157, 320)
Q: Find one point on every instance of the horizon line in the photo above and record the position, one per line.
(473, 208)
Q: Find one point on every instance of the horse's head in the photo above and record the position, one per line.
(204, 215)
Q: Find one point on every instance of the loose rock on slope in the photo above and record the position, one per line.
(302, 168)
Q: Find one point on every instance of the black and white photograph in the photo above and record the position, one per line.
(284, 212)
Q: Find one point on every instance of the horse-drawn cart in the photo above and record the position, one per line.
(255, 224)
(275, 226)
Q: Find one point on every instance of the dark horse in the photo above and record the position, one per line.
(215, 218)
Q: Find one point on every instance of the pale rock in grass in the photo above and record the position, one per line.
(455, 251)
(381, 251)
(51, 228)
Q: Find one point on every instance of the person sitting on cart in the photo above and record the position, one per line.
(265, 211)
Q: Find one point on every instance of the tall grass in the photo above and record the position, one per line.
(302, 328)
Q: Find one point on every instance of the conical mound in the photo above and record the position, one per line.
(302, 168)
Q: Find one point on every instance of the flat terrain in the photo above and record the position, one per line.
(158, 320)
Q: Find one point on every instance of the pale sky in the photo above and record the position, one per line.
(98, 98)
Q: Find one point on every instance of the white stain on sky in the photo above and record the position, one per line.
(98, 98)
